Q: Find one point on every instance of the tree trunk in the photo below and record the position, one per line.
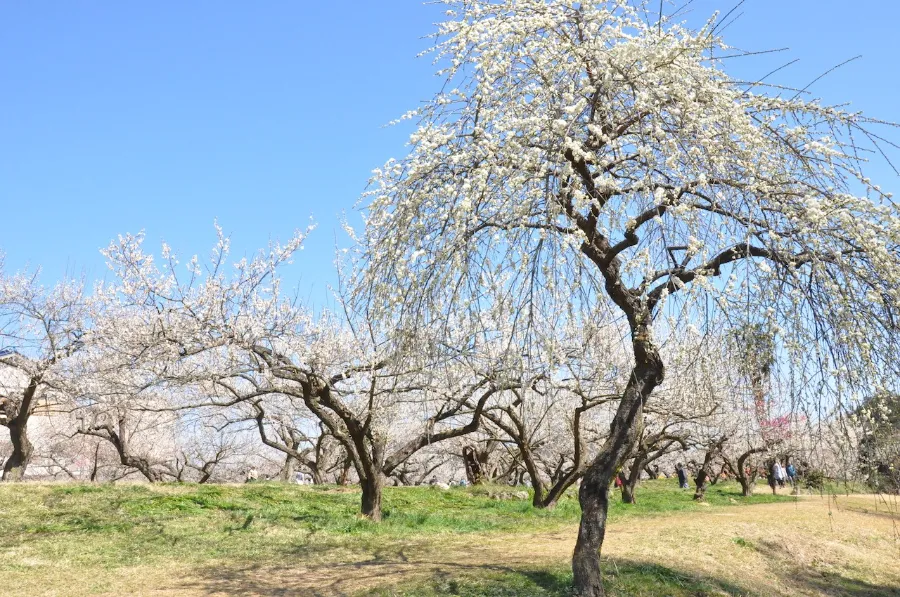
(594, 499)
(624, 431)
(145, 468)
(534, 476)
(95, 468)
(287, 472)
(15, 465)
(371, 496)
(566, 479)
(559, 488)
(345, 471)
(746, 478)
(634, 475)
(474, 470)
(702, 479)
(17, 423)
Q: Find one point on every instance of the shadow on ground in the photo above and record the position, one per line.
(839, 586)
(399, 578)
(378, 578)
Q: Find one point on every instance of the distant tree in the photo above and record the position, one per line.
(879, 444)
(229, 339)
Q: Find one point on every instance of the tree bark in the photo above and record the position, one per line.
(371, 496)
(15, 465)
(559, 488)
(630, 485)
(472, 464)
(287, 472)
(594, 499)
(702, 479)
(593, 495)
(739, 470)
(567, 479)
(95, 468)
(121, 441)
(345, 471)
(648, 451)
(17, 423)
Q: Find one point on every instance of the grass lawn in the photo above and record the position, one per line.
(81, 539)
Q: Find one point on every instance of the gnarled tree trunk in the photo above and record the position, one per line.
(371, 496)
(17, 423)
(594, 492)
(15, 465)
(287, 471)
(746, 478)
(630, 485)
(472, 463)
(703, 475)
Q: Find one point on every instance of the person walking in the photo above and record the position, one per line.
(792, 475)
(682, 476)
(779, 474)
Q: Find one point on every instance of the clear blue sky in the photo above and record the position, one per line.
(120, 117)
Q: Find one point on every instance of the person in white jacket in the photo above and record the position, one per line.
(779, 474)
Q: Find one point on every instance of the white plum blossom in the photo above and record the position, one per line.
(604, 161)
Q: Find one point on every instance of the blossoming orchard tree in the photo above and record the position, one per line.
(40, 330)
(607, 159)
(221, 337)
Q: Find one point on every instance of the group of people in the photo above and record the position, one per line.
(301, 478)
(780, 475)
(433, 482)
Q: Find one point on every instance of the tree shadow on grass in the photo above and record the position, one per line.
(393, 578)
(640, 578)
(835, 585)
(827, 581)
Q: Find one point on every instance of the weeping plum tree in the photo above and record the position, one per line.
(608, 161)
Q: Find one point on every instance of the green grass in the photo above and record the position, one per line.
(83, 526)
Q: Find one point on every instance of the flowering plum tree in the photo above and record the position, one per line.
(575, 371)
(40, 330)
(227, 338)
(605, 160)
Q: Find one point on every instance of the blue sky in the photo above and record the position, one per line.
(121, 117)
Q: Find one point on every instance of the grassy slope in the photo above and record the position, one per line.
(48, 532)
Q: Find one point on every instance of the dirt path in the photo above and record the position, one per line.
(814, 546)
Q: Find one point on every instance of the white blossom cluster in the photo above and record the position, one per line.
(565, 124)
